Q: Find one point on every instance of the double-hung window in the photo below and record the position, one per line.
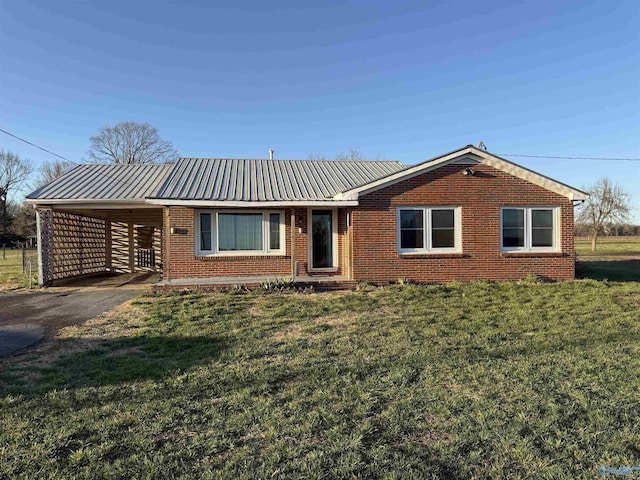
(530, 229)
(223, 232)
(428, 229)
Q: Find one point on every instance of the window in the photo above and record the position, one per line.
(205, 231)
(239, 233)
(428, 229)
(530, 229)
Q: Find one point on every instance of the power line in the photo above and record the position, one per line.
(606, 159)
(37, 146)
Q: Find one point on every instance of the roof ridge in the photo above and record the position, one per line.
(291, 160)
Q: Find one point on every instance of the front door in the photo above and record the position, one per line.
(322, 247)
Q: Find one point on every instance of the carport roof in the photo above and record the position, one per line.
(105, 182)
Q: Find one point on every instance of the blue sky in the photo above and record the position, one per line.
(398, 80)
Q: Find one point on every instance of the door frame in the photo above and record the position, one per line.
(334, 239)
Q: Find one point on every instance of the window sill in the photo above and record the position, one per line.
(531, 254)
(231, 256)
(432, 255)
(323, 270)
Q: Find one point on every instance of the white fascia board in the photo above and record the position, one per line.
(264, 204)
(88, 203)
(474, 154)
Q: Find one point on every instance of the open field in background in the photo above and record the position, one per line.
(617, 259)
(480, 380)
(609, 246)
(11, 276)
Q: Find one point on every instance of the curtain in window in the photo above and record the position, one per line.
(239, 231)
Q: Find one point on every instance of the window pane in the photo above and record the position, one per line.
(513, 237)
(443, 238)
(442, 218)
(513, 218)
(542, 237)
(274, 231)
(411, 218)
(240, 231)
(205, 231)
(542, 218)
(412, 238)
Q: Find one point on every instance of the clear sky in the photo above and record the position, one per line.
(399, 80)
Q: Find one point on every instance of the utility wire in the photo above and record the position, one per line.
(37, 146)
(64, 158)
(606, 159)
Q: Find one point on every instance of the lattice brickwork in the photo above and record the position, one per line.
(78, 245)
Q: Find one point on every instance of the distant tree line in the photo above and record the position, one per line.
(608, 230)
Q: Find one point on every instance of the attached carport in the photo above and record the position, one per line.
(95, 219)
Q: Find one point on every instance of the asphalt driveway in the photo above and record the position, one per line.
(25, 319)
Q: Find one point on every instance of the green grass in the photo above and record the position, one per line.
(482, 380)
(608, 246)
(617, 259)
(11, 276)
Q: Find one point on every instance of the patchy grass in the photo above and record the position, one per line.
(482, 380)
(11, 276)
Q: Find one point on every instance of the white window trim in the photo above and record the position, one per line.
(334, 239)
(214, 252)
(426, 222)
(557, 246)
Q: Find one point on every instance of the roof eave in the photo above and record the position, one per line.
(258, 203)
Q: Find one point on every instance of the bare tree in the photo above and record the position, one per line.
(607, 203)
(131, 142)
(351, 154)
(24, 220)
(14, 171)
(49, 171)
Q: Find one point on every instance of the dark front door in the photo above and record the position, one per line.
(322, 239)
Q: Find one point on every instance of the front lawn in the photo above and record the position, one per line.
(483, 380)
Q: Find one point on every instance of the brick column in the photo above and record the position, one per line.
(44, 224)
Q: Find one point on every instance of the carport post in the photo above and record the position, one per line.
(44, 226)
(39, 234)
(107, 245)
(132, 252)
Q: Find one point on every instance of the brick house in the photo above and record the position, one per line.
(465, 215)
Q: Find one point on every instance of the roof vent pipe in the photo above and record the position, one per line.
(271, 152)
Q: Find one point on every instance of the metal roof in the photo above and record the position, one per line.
(105, 182)
(216, 179)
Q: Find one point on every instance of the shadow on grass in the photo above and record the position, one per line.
(84, 363)
(613, 270)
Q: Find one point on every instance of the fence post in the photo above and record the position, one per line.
(24, 258)
(4, 251)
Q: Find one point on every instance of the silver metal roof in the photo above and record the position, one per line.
(264, 180)
(105, 182)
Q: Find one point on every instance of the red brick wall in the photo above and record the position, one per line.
(182, 262)
(480, 196)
